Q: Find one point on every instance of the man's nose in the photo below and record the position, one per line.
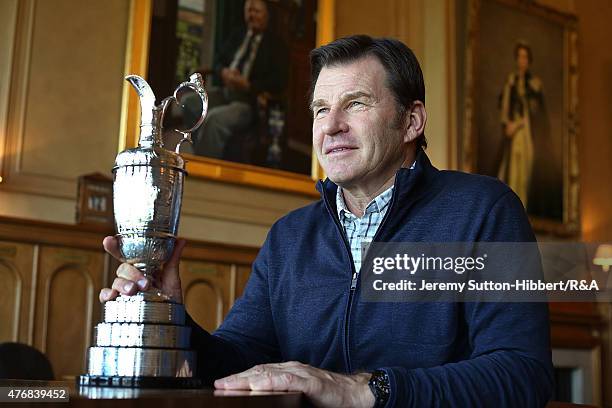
(335, 122)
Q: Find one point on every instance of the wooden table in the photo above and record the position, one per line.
(94, 397)
(156, 398)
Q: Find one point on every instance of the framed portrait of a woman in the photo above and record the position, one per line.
(519, 116)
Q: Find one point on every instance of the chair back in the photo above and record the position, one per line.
(22, 362)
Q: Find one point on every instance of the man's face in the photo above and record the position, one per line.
(256, 15)
(355, 131)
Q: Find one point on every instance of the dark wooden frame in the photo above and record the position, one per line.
(90, 187)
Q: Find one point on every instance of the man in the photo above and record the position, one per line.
(302, 303)
(251, 62)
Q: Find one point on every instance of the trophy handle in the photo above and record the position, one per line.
(196, 84)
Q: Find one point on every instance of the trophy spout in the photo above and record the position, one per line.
(150, 115)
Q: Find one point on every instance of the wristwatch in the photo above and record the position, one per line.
(379, 385)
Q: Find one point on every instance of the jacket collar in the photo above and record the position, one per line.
(406, 180)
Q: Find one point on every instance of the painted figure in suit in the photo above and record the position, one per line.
(252, 63)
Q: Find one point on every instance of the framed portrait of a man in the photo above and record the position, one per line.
(519, 116)
(253, 55)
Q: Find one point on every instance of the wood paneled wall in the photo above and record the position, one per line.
(52, 274)
(64, 80)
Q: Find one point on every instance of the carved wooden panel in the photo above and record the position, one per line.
(575, 325)
(15, 291)
(67, 306)
(45, 122)
(51, 274)
(206, 291)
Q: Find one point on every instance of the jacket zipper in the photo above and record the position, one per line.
(380, 228)
(355, 278)
(347, 361)
(355, 275)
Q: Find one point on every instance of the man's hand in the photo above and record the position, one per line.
(130, 280)
(512, 127)
(227, 74)
(323, 388)
(240, 82)
(232, 79)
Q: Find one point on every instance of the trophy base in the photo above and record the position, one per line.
(150, 295)
(142, 343)
(86, 380)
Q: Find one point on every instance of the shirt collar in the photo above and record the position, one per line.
(251, 33)
(378, 204)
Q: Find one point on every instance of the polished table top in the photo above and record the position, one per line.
(130, 397)
(168, 398)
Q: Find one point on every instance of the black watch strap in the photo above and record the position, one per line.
(379, 384)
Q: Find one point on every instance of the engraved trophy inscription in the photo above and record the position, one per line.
(143, 340)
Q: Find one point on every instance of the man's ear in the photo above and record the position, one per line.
(415, 121)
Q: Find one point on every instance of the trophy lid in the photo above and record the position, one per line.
(150, 150)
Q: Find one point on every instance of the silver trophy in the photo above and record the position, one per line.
(143, 340)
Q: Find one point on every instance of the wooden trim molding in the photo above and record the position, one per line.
(90, 237)
(575, 325)
(35, 61)
(8, 22)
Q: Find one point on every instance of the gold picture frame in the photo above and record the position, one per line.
(199, 166)
(510, 22)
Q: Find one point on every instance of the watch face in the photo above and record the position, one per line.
(379, 384)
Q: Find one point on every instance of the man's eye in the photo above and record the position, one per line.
(320, 111)
(353, 104)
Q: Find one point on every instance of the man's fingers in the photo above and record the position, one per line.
(124, 286)
(232, 383)
(264, 369)
(241, 379)
(255, 370)
(107, 294)
(278, 381)
(111, 246)
(279, 377)
(269, 380)
(178, 251)
(130, 273)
